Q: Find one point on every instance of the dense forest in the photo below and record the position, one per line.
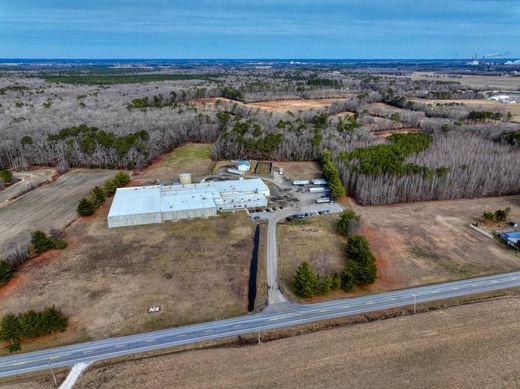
(388, 143)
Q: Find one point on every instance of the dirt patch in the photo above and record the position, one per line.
(387, 133)
(464, 347)
(292, 105)
(196, 270)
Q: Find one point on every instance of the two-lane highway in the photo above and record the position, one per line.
(292, 314)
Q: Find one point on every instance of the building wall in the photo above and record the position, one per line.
(134, 220)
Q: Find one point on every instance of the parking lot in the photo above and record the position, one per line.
(294, 201)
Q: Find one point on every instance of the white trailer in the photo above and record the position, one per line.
(323, 201)
(301, 182)
(319, 181)
(321, 189)
(234, 171)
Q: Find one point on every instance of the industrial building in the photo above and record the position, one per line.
(157, 203)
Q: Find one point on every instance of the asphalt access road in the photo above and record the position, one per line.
(276, 316)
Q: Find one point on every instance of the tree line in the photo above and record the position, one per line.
(30, 324)
(88, 205)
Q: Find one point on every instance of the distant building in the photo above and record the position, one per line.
(511, 238)
(243, 166)
(157, 203)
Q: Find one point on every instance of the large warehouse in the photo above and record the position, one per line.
(157, 203)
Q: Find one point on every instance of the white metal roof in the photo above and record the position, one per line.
(136, 200)
(167, 198)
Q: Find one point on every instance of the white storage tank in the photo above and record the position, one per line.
(185, 178)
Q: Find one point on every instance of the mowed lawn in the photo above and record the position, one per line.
(194, 158)
(105, 281)
(50, 206)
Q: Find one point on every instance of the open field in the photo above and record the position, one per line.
(481, 105)
(387, 133)
(465, 347)
(428, 242)
(299, 170)
(50, 206)
(27, 181)
(414, 244)
(314, 240)
(194, 158)
(474, 81)
(106, 279)
(292, 105)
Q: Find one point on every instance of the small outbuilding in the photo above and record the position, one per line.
(243, 166)
(511, 238)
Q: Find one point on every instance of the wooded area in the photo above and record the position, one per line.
(126, 120)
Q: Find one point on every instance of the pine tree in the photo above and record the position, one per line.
(41, 242)
(305, 281)
(6, 272)
(347, 218)
(85, 207)
(10, 328)
(361, 264)
(97, 196)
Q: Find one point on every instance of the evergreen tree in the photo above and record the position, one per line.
(10, 328)
(41, 242)
(6, 272)
(347, 280)
(346, 221)
(305, 281)
(85, 207)
(361, 264)
(121, 179)
(109, 188)
(97, 196)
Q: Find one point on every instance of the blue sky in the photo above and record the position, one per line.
(258, 29)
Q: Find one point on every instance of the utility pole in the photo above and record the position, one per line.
(414, 303)
(53, 376)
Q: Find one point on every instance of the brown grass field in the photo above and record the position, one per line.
(194, 158)
(414, 244)
(106, 279)
(314, 240)
(469, 346)
(481, 104)
(47, 207)
(428, 242)
(292, 105)
(299, 170)
(474, 81)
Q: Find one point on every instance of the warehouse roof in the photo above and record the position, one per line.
(167, 198)
(136, 200)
